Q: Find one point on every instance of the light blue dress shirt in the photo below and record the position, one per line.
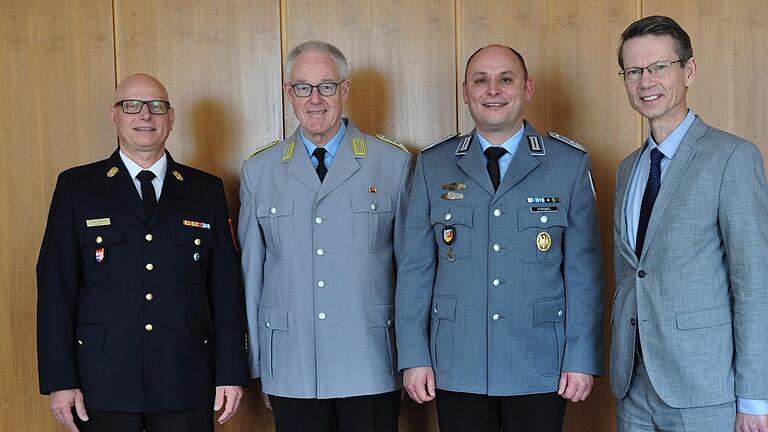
(669, 146)
(159, 168)
(331, 146)
(510, 145)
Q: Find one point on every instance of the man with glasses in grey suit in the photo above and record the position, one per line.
(320, 225)
(689, 350)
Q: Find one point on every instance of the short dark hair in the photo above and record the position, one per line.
(658, 25)
(517, 54)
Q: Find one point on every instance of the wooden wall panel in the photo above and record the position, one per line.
(730, 46)
(401, 59)
(58, 78)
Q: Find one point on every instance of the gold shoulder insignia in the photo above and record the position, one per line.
(440, 141)
(262, 148)
(391, 141)
(568, 141)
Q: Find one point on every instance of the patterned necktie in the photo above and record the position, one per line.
(493, 154)
(147, 191)
(319, 154)
(649, 198)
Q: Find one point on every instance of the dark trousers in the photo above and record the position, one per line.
(468, 412)
(371, 413)
(195, 419)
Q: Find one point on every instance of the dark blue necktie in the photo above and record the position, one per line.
(493, 153)
(321, 169)
(649, 198)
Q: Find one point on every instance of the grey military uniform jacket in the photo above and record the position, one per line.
(319, 266)
(501, 291)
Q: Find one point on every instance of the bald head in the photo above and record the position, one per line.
(140, 83)
(495, 47)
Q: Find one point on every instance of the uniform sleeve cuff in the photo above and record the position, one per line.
(752, 406)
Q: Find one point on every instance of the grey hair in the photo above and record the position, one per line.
(318, 46)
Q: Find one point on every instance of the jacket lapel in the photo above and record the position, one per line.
(300, 166)
(473, 164)
(122, 186)
(620, 207)
(174, 189)
(344, 164)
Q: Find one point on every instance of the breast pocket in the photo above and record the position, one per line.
(196, 246)
(275, 218)
(541, 234)
(104, 254)
(452, 224)
(371, 221)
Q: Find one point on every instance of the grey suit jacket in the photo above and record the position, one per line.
(699, 292)
(319, 266)
(477, 300)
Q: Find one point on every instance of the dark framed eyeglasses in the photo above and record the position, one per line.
(303, 90)
(658, 69)
(134, 106)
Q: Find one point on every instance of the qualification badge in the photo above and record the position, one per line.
(112, 172)
(450, 254)
(101, 254)
(449, 235)
(543, 241)
(178, 176)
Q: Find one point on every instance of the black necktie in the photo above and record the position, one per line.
(147, 191)
(319, 154)
(649, 198)
(493, 154)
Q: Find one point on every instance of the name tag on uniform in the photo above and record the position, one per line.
(97, 222)
(543, 209)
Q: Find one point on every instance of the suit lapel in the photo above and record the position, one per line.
(473, 164)
(300, 166)
(174, 189)
(122, 186)
(344, 163)
(624, 177)
(677, 168)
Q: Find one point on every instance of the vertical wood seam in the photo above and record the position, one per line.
(282, 6)
(115, 43)
(457, 61)
(639, 118)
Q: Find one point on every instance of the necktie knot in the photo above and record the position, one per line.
(322, 170)
(145, 176)
(495, 152)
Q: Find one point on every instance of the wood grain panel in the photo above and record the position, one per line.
(730, 46)
(221, 64)
(401, 59)
(58, 79)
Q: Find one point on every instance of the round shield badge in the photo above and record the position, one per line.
(543, 241)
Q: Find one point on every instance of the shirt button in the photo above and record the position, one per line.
(373, 206)
(320, 252)
(322, 315)
(272, 210)
(149, 327)
(321, 284)
(99, 240)
(495, 317)
(148, 237)
(641, 274)
(544, 219)
(318, 220)
(149, 267)
(496, 282)
(198, 242)
(149, 297)
(496, 247)
(497, 212)
(447, 216)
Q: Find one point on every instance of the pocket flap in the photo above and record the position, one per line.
(552, 310)
(451, 214)
(370, 204)
(195, 236)
(527, 218)
(273, 318)
(380, 315)
(102, 236)
(444, 307)
(702, 318)
(90, 335)
(274, 208)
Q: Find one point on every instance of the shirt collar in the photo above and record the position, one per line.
(159, 168)
(510, 145)
(671, 143)
(331, 146)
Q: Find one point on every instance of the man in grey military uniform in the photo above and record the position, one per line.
(320, 222)
(499, 290)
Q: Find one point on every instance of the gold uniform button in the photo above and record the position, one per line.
(198, 242)
(149, 297)
(99, 240)
(148, 237)
(149, 327)
(149, 267)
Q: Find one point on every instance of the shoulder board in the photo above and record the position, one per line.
(391, 141)
(568, 141)
(440, 141)
(262, 148)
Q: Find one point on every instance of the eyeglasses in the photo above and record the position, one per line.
(134, 106)
(303, 90)
(658, 69)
